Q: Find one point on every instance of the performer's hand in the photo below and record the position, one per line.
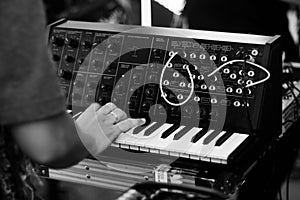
(98, 126)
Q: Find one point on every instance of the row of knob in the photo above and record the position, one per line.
(71, 42)
(213, 57)
(212, 87)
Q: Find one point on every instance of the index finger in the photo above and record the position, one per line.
(129, 123)
(107, 108)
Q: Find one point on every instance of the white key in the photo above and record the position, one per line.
(124, 139)
(184, 143)
(144, 140)
(221, 153)
(195, 148)
(130, 140)
(206, 149)
(159, 143)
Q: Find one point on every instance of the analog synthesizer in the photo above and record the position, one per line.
(209, 97)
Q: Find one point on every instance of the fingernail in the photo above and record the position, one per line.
(143, 120)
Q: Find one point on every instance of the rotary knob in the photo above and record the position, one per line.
(71, 42)
(149, 92)
(79, 83)
(146, 106)
(92, 85)
(56, 57)
(86, 44)
(57, 41)
(69, 58)
(65, 74)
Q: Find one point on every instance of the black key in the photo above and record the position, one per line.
(152, 128)
(170, 130)
(181, 133)
(199, 135)
(140, 128)
(211, 136)
(223, 138)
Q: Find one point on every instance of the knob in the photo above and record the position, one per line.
(86, 44)
(96, 63)
(248, 82)
(92, 85)
(254, 52)
(212, 87)
(188, 110)
(65, 74)
(229, 89)
(213, 100)
(175, 74)
(71, 42)
(224, 58)
(136, 77)
(131, 104)
(79, 83)
(80, 61)
(102, 101)
(237, 104)
(201, 77)
(202, 56)
(239, 91)
(196, 98)
(226, 71)
(57, 41)
(152, 78)
(89, 97)
(214, 79)
(76, 96)
(232, 76)
(149, 92)
(213, 57)
(192, 55)
(251, 73)
(156, 52)
(146, 106)
(182, 84)
(69, 58)
(56, 57)
(104, 87)
(180, 96)
(240, 81)
(166, 82)
(203, 87)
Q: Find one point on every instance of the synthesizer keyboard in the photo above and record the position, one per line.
(212, 100)
(182, 141)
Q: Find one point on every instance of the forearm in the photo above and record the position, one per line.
(53, 142)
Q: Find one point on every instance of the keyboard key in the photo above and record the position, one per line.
(196, 147)
(181, 133)
(199, 135)
(224, 137)
(138, 129)
(150, 130)
(160, 143)
(207, 148)
(211, 137)
(221, 153)
(143, 141)
(183, 144)
(170, 130)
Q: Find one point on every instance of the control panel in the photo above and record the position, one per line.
(198, 78)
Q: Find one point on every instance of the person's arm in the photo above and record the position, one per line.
(59, 141)
(31, 104)
(53, 141)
